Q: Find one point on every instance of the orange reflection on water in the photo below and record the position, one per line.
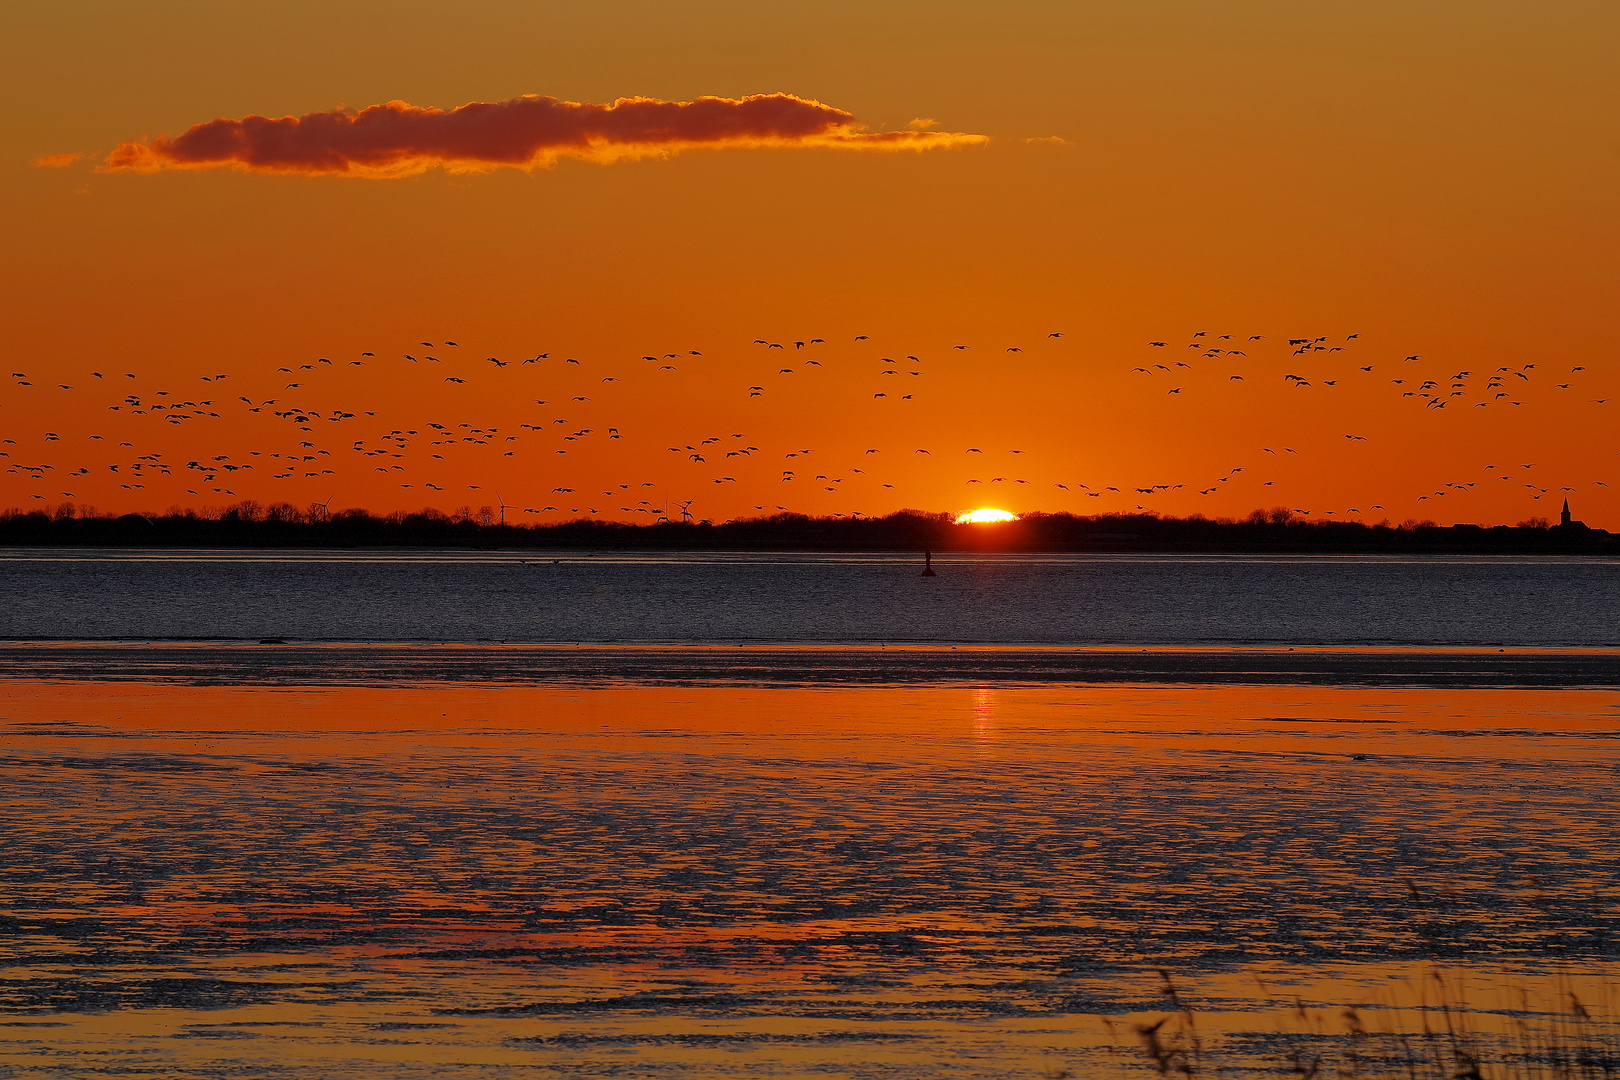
(787, 878)
(317, 721)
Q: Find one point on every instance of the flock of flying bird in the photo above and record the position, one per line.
(294, 443)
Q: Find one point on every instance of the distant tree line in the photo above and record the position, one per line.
(248, 524)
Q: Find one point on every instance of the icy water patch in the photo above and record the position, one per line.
(700, 881)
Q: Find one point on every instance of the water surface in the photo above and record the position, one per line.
(705, 881)
(1015, 599)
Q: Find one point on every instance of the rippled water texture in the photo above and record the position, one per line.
(686, 882)
(1070, 600)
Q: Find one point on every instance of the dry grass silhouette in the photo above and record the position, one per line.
(1426, 1030)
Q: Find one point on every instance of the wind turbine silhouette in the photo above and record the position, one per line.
(502, 500)
(686, 515)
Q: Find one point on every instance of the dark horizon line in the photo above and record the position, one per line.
(1278, 529)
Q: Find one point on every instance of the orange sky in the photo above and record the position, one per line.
(1436, 178)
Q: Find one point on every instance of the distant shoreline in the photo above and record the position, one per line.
(1261, 533)
(280, 662)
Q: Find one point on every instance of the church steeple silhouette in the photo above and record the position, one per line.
(1563, 516)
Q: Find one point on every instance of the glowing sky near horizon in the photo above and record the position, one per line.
(1433, 179)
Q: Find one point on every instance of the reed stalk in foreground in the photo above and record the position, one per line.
(1435, 1034)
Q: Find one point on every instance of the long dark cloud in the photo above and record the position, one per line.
(399, 139)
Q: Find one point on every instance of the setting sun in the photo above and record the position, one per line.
(980, 517)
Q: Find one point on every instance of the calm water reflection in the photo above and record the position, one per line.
(805, 598)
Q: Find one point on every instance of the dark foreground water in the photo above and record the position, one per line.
(706, 881)
(1061, 600)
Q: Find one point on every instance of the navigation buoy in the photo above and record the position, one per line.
(928, 564)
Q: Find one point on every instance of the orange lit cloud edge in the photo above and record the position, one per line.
(399, 139)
